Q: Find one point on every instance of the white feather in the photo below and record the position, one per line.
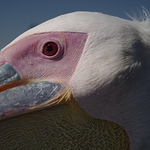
(112, 78)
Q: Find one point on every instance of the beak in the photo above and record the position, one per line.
(18, 96)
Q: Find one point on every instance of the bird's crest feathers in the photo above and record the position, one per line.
(142, 18)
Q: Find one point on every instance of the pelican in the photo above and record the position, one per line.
(89, 67)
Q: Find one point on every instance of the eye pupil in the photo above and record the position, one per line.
(50, 49)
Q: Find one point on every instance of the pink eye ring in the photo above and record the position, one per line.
(52, 50)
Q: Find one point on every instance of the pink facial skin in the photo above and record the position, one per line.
(27, 57)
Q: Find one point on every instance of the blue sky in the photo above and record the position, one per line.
(19, 15)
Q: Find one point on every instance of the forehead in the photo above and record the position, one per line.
(86, 22)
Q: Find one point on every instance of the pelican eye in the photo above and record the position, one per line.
(50, 49)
